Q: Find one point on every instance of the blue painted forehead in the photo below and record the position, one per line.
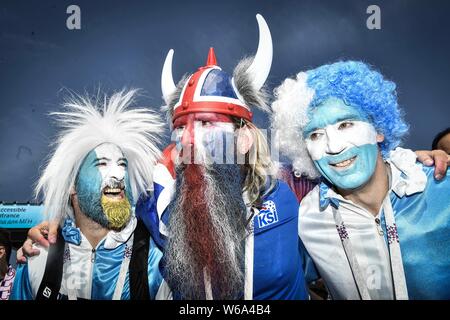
(90, 158)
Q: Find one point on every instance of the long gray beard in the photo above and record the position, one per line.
(207, 230)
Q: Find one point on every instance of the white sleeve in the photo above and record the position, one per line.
(164, 292)
(36, 268)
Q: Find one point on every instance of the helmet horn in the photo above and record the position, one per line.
(260, 67)
(167, 84)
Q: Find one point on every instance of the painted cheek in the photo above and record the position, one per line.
(183, 132)
(317, 147)
(89, 175)
(358, 174)
(104, 172)
(188, 136)
(337, 140)
(361, 133)
(88, 187)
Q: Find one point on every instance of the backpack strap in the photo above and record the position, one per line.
(138, 269)
(51, 281)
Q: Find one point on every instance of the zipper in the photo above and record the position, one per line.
(93, 255)
(379, 228)
(91, 276)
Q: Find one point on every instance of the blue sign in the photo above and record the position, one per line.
(16, 216)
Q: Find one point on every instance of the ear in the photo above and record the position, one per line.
(244, 140)
(380, 137)
(74, 202)
(73, 196)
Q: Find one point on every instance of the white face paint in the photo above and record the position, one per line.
(111, 163)
(339, 137)
(342, 143)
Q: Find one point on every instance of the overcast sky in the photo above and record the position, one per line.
(124, 43)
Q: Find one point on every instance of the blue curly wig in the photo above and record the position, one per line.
(362, 87)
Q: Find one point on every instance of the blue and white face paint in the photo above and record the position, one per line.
(103, 187)
(342, 144)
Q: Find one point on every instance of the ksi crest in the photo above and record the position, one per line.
(267, 215)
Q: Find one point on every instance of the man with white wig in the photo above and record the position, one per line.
(103, 160)
(377, 226)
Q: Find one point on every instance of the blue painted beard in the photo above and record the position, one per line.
(91, 199)
(364, 162)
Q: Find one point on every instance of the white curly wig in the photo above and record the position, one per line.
(289, 117)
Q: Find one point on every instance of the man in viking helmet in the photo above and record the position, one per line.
(226, 225)
(103, 160)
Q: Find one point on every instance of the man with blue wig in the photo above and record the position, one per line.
(377, 226)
